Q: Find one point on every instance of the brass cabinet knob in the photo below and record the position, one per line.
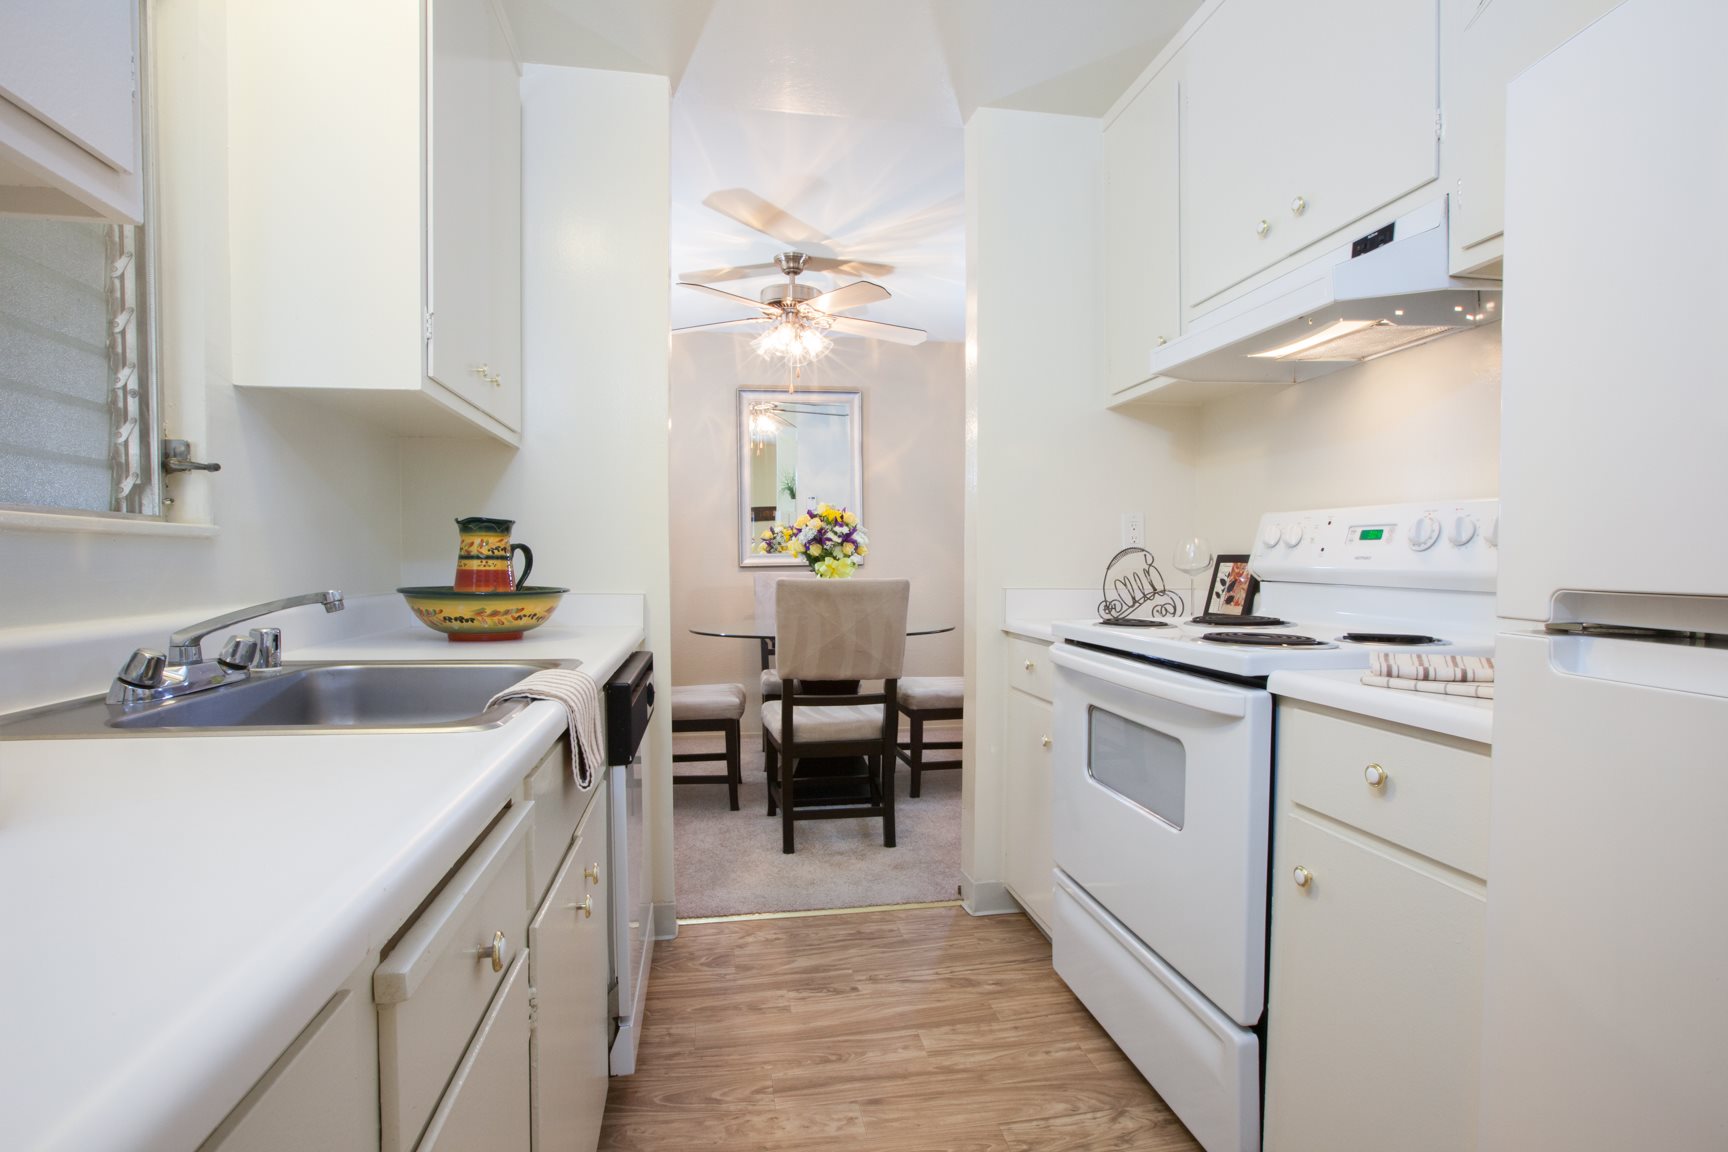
(1043, 741)
(587, 907)
(1376, 776)
(592, 872)
(496, 952)
(1262, 228)
(484, 371)
(1298, 206)
(1028, 665)
(1302, 876)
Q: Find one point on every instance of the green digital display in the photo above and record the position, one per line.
(1372, 534)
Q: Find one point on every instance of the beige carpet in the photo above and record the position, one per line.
(730, 862)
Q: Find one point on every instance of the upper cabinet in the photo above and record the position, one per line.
(1142, 232)
(1487, 44)
(1298, 120)
(375, 210)
(69, 110)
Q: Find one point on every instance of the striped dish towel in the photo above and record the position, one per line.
(1430, 666)
(1434, 687)
(580, 696)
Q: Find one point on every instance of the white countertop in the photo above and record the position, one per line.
(1460, 716)
(180, 908)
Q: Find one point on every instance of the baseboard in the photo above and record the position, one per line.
(986, 898)
(665, 922)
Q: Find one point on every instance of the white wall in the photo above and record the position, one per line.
(913, 402)
(1417, 425)
(304, 500)
(1049, 470)
(588, 487)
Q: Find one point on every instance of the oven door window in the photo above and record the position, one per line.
(1146, 767)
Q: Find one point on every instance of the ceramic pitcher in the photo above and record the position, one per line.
(484, 559)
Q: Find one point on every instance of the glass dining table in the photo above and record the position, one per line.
(761, 629)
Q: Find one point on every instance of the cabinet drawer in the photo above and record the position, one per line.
(559, 805)
(433, 987)
(1434, 798)
(1029, 667)
(487, 1104)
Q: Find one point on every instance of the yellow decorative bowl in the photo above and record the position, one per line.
(483, 615)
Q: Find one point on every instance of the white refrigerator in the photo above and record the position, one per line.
(1606, 988)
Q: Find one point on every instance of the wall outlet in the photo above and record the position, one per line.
(1133, 530)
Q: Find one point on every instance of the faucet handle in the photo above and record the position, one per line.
(145, 668)
(269, 653)
(237, 652)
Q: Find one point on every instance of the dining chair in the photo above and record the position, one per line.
(831, 635)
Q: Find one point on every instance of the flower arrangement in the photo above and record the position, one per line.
(829, 539)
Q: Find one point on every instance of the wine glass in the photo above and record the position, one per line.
(1193, 556)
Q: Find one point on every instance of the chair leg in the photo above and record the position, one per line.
(888, 766)
(787, 764)
(917, 758)
(734, 768)
(771, 761)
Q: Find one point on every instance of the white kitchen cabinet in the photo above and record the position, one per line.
(322, 1092)
(569, 970)
(1028, 858)
(69, 109)
(1142, 232)
(1486, 43)
(1375, 992)
(374, 178)
(1297, 121)
(486, 1105)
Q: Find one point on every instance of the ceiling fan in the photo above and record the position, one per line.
(798, 316)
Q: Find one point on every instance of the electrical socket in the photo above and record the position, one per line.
(1133, 529)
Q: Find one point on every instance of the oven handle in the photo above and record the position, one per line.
(1171, 686)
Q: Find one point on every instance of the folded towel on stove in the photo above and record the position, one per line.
(580, 696)
(1434, 687)
(1430, 666)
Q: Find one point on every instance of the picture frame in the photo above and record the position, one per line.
(1232, 588)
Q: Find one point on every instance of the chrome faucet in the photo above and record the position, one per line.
(148, 676)
(186, 645)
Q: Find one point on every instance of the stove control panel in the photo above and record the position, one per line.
(1440, 544)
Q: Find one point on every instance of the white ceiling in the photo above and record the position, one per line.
(848, 115)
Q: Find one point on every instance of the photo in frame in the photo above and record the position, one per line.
(1232, 590)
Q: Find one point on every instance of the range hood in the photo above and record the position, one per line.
(1381, 292)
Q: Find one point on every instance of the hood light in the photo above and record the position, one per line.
(1314, 340)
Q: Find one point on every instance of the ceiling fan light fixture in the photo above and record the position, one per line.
(794, 339)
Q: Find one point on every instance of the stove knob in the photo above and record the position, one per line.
(1271, 534)
(1293, 533)
(1463, 531)
(1424, 533)
(1491, 535)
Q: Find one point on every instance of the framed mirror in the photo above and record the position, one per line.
(795, 450)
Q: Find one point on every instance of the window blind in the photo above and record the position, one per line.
(74, 420)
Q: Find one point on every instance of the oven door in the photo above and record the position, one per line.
(1162, 791)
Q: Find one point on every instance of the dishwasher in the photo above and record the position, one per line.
(629, 706)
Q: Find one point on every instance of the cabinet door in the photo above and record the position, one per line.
(1298, 120)
(486, 1105)
(1374, 1008)
(69, 64)
(1487, 43)
(572, 1026)
(1142, 240)
(1028, 856)
(473, 183)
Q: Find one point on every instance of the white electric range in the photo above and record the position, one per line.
(1163, 780)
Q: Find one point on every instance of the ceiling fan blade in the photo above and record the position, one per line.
(876, 330)
(847, 267)
(722, 324)
(854, 295)
(716, 275)
(725, 295)
(752, 211)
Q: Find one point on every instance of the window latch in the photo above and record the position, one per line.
(177, 457)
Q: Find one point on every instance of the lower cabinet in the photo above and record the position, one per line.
(1027, 857)
(486, 1104)
(568, 968)
(1375, 995)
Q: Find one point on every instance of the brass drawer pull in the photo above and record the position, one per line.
(1376, 776)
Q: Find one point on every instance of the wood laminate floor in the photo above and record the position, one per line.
(906, 1031)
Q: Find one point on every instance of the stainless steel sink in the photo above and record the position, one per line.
(337, 697)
